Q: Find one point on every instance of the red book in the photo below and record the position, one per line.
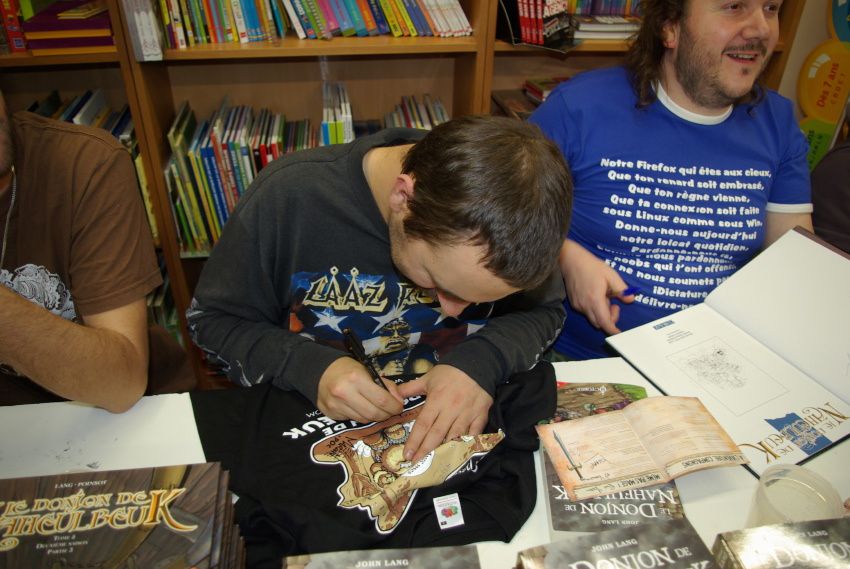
(11, 21)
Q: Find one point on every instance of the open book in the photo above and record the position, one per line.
(649, 442)
(768, 352)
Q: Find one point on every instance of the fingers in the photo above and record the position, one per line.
(412, 388)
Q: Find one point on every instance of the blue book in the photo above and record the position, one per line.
(417, 17)
(213, 175)
(343, 17)
(378, 14)
(252, 20)
(75, 106)
(356, 18)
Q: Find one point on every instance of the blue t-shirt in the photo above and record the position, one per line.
(674, 205)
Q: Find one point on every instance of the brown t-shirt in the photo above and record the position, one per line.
(78, 240)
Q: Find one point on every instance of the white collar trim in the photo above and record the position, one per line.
(684, 113)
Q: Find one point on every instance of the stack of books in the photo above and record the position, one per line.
(538, 88)
(174, 516)
(599, 27)
(70, 27)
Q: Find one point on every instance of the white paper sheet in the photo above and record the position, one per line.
(53, 438)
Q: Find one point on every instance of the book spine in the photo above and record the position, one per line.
(378, 14)
(343, 16)
(10, 13)
(188, 26)
(303, 17)
(314, 14)
(357, 21)
(239, 20)
(426, 17)
(403, 18)
(330, 17)
(294, 20)
(389, 14)
(368, 18)
(416, 18)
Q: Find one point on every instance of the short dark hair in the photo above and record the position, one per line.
(492, 181)
(646, 50)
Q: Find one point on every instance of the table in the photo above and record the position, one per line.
(53, 438)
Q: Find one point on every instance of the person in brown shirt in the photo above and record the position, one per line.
(76, 262)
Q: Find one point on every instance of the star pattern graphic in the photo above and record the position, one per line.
(328, 318)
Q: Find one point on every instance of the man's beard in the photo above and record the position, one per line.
(700, 77)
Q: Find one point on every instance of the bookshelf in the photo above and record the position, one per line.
(286, 75)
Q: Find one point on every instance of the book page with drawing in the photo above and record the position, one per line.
(651, 441)
(794, 299)
(771, 409)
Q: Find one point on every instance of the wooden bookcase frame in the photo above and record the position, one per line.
(287, 73)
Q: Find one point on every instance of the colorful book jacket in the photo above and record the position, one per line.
(145, 517)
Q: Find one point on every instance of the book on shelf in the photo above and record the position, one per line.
(603, 35)
(30, 8)
(83, 10)
(513, 103)
(142, 29)
(765, 352)
(538, 88)
(445, 557)
(142, 517)
(672, 544)
(800, 545)
(599, 23)
(48, 25)
(10, 14)
(650, 441)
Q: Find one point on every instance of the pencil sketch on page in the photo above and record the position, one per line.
(727, 375)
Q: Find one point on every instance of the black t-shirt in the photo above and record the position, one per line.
(291, 503)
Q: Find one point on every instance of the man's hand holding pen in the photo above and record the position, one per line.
(347, 391)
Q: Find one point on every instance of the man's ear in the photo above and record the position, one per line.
(402, 192)
(670, 34)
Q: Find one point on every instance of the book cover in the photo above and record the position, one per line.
(448, 557)
(513, 103)
(820, 544)
(766, 352)
(631, 507)
(141, 517)
(648, 442)
(673, 544)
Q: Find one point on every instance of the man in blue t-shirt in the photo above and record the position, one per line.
(684, 167)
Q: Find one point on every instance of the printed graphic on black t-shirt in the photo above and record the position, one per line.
(401, 325)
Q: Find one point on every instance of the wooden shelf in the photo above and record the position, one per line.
(337, 47)
(27, 60)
